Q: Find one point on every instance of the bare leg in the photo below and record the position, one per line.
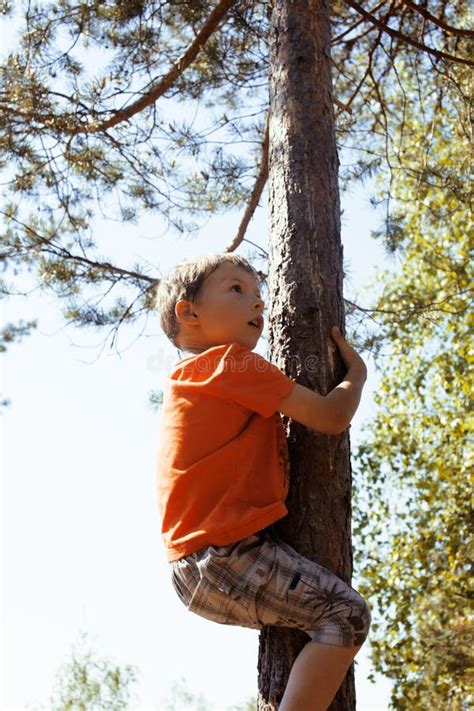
(315, 676)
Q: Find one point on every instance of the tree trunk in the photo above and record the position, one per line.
(305, 297)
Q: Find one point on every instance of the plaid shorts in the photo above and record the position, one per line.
(261, 580)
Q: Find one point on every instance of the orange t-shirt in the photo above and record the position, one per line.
(223, 470)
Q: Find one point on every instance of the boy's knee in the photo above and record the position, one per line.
(348, 626)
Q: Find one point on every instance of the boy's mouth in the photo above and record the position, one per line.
(257, 322)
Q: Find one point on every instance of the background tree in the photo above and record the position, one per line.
(84, 133)
(184, 700)
(87, 682)
(414, 521)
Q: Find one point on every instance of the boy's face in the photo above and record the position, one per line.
(228, 299)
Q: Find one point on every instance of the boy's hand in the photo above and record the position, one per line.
(350, 357)
(331, 413)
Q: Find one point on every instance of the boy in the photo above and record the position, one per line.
(223, 475)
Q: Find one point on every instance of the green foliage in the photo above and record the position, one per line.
(413, 485)
(8, 334)
(11, 332)
(87, 682)
(182, 699)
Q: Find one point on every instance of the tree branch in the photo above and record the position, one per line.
(418, 307)
(256, 193)
(59, 251)
(447, 28)
(105, 266)
(403, 38)
(337, 39)
(161, 86)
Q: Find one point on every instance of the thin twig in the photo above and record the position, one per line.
(436, 20)
(403, 38)
(337, 39)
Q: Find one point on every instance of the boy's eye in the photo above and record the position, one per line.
(237, 286)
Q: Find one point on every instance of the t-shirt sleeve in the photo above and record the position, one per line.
(248, 379)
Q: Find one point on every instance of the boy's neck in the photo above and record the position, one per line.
(188, 352)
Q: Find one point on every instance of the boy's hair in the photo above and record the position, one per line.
(184, 282)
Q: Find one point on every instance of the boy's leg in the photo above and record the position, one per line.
(257, 582)
(330, 611)
(315, 676)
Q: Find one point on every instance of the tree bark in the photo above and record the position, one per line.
(305, 297)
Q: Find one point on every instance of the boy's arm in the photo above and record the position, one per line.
(331, 413)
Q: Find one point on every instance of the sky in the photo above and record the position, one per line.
(81, 544)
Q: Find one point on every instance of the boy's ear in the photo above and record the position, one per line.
(184, 312)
